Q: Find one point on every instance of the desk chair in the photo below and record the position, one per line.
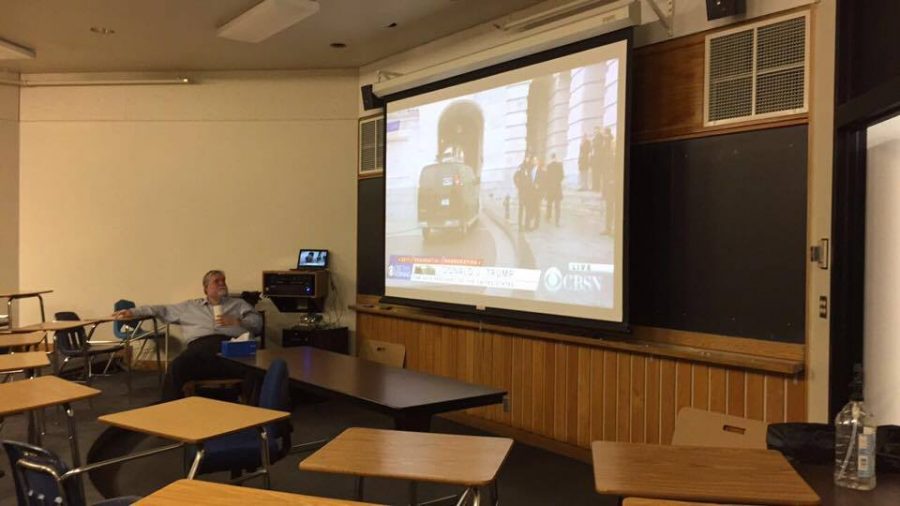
(241, 451)
(41, 477)
(74, 343)
(130, 331)
(698, 427)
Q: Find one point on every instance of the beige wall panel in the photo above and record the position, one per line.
(140, 205)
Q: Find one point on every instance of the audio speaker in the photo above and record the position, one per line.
(716, 9)
(370, 101)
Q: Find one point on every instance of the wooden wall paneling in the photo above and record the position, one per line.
(668, 89)
(559, 396)
(638, 396)
(518, 373)
(527, 385)
(596, 395)
(450, 338)
(755, 396)
(717, 391)
(775, 386)
(538, 360)
(683, 385)
(428, 335)
(796, 400)
(700, 394)
(667, 400)
(574, 394)
(571, 394)
(653, 400)
(610, 391)
(502, 370)
(736, 392)
(485, 361)
(550, 380)
(623, 397)
(583, 388)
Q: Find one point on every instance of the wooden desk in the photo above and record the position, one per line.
(30, 395)
(690, 473)
(24, 340)
(11, 296)
(54, 326)
(470, 461)
(27, 361)
(204, 493)
(194, 420)
(410, 397)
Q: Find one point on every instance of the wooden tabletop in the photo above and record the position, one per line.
(21, 340)
(26, 395)
(193, 419)
(691, 473)
(204, 493)
(22, 295)
(110, 318)
(383, 387)
(27, 360)
(55, 325)
(418, 456)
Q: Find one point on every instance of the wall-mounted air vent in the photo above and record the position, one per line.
(371, 145)
(758, 71)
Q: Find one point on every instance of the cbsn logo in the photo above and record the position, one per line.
(555, 280)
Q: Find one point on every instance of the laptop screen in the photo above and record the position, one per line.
(312, 259)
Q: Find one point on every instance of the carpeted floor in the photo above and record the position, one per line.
(529, 477)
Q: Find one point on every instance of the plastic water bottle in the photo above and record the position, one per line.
(854, 443)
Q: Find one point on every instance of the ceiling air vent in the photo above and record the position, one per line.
(371, 146)
(757, 71)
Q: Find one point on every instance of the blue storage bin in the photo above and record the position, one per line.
(238, 348)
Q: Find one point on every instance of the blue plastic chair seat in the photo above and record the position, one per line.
(238, 451)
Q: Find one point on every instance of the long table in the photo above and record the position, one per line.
(410, 397)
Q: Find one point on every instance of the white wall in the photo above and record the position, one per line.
(881, 344)
(9, 190)
(136, 191)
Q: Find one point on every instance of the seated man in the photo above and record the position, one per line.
(202, 332)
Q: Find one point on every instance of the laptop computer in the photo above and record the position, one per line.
(312, 259)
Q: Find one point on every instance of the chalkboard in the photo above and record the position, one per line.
(718, 234)
(370, 236)
(717, 229)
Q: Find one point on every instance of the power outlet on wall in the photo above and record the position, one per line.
(823, 306)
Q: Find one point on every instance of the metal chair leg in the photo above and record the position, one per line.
(195, 466)
(264, 444)
(112, 355)
(360, 483)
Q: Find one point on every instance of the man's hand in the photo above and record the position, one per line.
(227, 321)
(123, 314)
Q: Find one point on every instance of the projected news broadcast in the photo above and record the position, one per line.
(507, 192)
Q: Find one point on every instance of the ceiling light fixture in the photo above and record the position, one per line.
(102, 30)
(30, 83)
(338, 45)
(12, 51)
(267, 18)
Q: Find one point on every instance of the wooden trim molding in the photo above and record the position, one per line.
(752, 354)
